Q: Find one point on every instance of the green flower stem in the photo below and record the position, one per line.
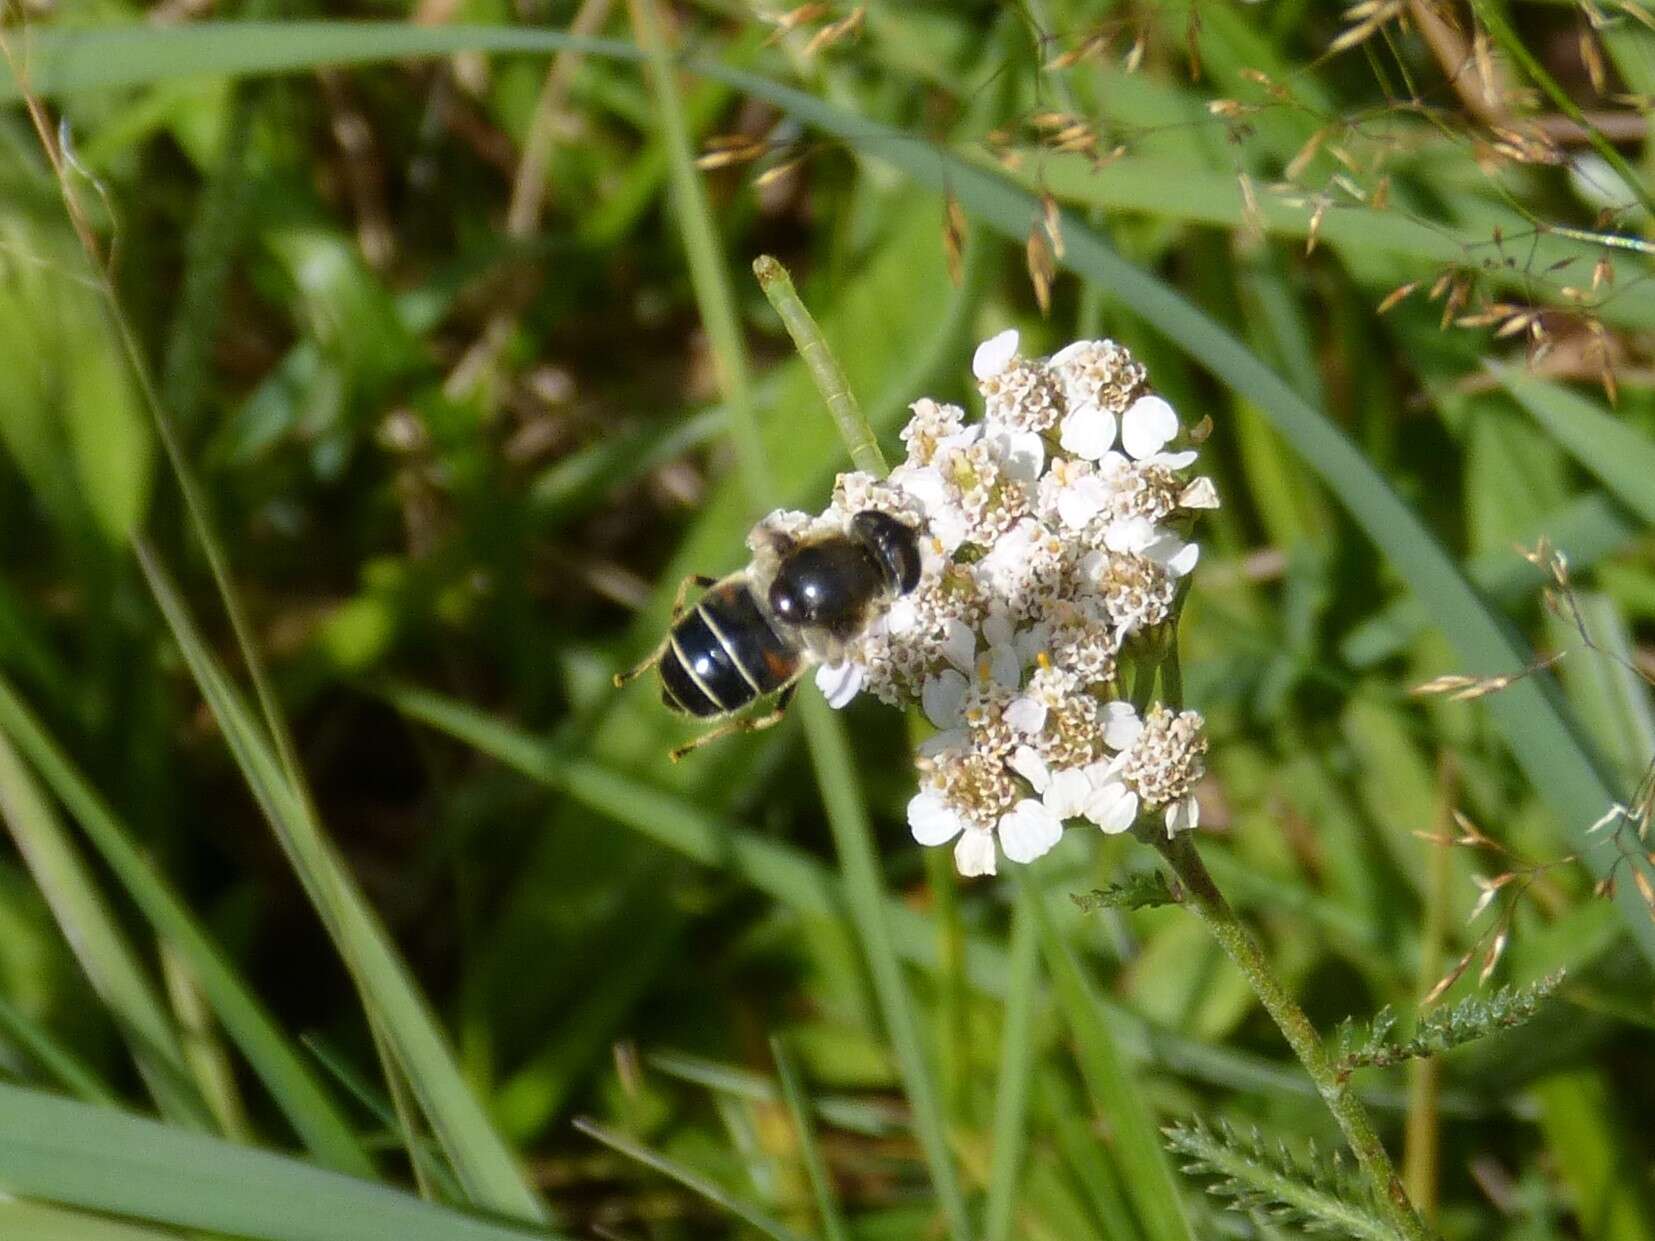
(824, 367)
(1202, 895)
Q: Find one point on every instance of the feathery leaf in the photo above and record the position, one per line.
(1373, 1045)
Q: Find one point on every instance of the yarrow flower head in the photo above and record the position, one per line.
(1054, 532)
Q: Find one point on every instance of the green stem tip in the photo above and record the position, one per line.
(824, 367)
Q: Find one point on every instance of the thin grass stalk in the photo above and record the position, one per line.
(705, 256)
(830, 379)
(830, 753)
(195, 501)
(204, 1051)
(799, 1110)
(1017, 1062)
(949, 1023)
(1202, 895)
(109, 962)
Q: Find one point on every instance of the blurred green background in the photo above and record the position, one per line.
(454, 331)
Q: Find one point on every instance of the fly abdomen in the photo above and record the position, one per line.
(679, 690)
(699, 650)
(763, 657)
(724, 653)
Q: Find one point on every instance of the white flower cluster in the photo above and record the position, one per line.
(1051, 535)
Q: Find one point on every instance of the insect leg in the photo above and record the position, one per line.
(653, 658)
(742, 724)
(694, 579)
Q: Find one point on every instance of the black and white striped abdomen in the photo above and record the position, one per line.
(723, 653)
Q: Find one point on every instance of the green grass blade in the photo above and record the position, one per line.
(35, 1221)
(99, 944)
(485, 1165)
(1622, 457)
(62, 61)
(307, 1106)
(1151, 1183)
(810, 1151)
(103, 1160)
(690, 1179)
(1017, 1063)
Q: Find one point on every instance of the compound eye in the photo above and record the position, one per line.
(894, 544)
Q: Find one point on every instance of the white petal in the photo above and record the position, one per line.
(1132, 534)
(1081, 501)
(902, 617)
(1112, 465)
(1102, 772)
(1029, 831)
(1181, 563)
(960, 646)
(1004, 666)
(931, 819)
(1183, 815)
(1199, 494)
(1114, 807)
(950, 527)
(1069, 792)
(927, 487)
(974, 855)
(1147, 426)
(1070, 351)
(1022, 454)
(994, 354)
(1025, 760)
(1121, 726)
(1026, 715)
(1174, 460)
(1088, 432)
(840, 683)
(943, 697)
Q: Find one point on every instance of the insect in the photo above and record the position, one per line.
(755, 632)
